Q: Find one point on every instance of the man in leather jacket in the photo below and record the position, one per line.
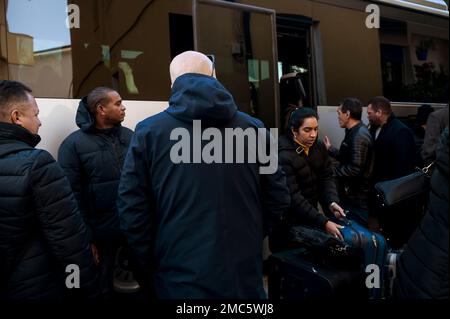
(355, 160)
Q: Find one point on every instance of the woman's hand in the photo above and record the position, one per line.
(327, 142)
(337, 210)
(95, 254)
(334, 229)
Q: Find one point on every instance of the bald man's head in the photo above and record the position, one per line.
(190, 62)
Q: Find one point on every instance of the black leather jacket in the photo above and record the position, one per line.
(355, 167)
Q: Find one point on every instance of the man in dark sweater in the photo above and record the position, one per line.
(395, 156)
(394, 146)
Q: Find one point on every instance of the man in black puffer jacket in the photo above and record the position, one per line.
(423, 266)
(92, 158)
(41, 229)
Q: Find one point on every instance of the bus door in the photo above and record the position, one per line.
(243, 41)
(295, 52)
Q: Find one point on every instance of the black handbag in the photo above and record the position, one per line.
(324, 249)
(316, 239)
(404, 188)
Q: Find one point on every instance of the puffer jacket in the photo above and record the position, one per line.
(356, 160)
(196, 229)
(310, 181)
(92, 160)
(41, 229)
(423, 266)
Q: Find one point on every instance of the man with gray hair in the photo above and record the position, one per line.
(92, 159)
(196, 229)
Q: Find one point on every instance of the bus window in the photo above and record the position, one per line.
(181, 34)
(124, 45)
(38, 46)
(242, 39)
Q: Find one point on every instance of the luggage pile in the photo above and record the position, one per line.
(322, 266)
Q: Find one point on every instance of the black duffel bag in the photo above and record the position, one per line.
(401, 204)
(399, 190)
(325, 249)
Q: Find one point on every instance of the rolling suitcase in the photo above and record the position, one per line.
(373, 246)
(298, 274)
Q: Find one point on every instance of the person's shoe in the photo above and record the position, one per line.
(124, 281)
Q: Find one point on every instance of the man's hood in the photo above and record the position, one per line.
(85, 121)
(201, 97)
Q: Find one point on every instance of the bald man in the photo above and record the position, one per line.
(191, 62)
(195, 224)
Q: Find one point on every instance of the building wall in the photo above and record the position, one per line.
(3, 41)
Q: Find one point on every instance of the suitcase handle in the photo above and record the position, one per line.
(343, 221)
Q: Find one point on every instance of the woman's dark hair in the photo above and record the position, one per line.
(297, 118)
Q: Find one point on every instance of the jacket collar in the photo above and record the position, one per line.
(354, 128)
(286, 142)
(12, 133)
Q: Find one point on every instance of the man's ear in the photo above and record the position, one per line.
(15, 117)
(99, 109)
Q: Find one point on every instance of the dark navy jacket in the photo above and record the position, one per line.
(395, 151)
(92, 160)
(199, 227)
(41, 230)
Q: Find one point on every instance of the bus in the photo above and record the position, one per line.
(62, 49)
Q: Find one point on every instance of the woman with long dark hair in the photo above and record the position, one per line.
(307, 165)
